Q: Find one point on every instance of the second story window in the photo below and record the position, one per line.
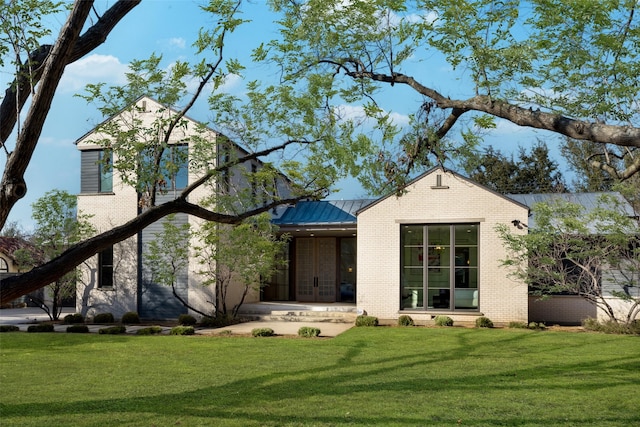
(105, 172)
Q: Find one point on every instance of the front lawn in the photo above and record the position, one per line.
(364, 377)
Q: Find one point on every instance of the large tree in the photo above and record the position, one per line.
(567, 67)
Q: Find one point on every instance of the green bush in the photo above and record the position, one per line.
(308, 332)
(41, 327)
(218, 321)
(9, 328)
(103, 318)
(517, 325)
(78, 329)
(484, 322)
(405, 320)
(364, 320)
(187, 320)
(113, 330)
(182, 330)
(130, 318)
(610, 327)
(71, 319)
(262, 332)
(441, 320)
(151, 330)
(536, 325)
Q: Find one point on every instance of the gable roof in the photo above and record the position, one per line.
(443, 170)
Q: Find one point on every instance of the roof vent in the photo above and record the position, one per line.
(439, 185)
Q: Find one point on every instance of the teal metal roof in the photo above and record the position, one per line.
(323, 212)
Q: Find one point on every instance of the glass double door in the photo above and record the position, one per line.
(316, 269)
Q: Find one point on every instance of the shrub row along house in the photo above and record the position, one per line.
(433, 250)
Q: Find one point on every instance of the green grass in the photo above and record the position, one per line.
(364, 377)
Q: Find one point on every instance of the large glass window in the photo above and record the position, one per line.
(105, 268)
(4, 267)
(439, 267)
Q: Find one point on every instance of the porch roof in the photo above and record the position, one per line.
(323, 212)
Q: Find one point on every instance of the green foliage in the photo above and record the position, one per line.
(219, 321)
(73, 318)
(78, 329)
(364, 320)
(150, 330)
(103, 318)
(187, 320)
(113, 330)
(405, 320)
(9, 328)
(532, 172)
(518, 325)
(182, 330)
(610, 327)
(537, 326)
(262, 332)
(40, 327)
(130, 317)
(442, 320)
(484, 322)
(308, 332)
(570, 247)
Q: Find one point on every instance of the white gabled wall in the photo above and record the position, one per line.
(456, 200)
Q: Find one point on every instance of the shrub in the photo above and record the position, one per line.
(308, 332)
(610, 327)
(443, 320)
(218, 321)
(103, 318)
(405, 320)
(182, 330)
(187, 320)
(71, 319)
(537, 325)
(363, 320)
(113, 330)
(484, 322)
(130, 317)
(518, 325)
(9, 328)
(151, 330)
(262, 332)
(78, 329)
(41, 327)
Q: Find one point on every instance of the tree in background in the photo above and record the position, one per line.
(532, 172)
(569, 68)
(58, 226)
(594, 254)
(246, 254)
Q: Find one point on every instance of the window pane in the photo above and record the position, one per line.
(439, 256)
(466, 257)
(412, 235)
(412, 287)
(105, 268)
(439, 298)
(180, 158)
(413, 256)
(466, 298)
(438, 235)
(466, 234)
(106, 172)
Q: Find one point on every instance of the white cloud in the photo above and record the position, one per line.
(177, 42)
(93, 69)
(358, 115)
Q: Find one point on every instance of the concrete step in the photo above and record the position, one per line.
(300, 313)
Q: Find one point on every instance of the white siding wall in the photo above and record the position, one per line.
(502, 299)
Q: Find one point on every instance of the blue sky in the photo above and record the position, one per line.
(169, 27)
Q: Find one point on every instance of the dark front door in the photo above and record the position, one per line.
(316, 273)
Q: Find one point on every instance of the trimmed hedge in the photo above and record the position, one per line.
(71, 319)
(364, 320)
(41, 327)
(151, 330)
(442, 320)
(9, 328)
(484, 322)
(130, 318)
(405, 320)
(187, 320)
(182, 330)
(113, 330)
(262, 332)
(103, 318)
(308, 332)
